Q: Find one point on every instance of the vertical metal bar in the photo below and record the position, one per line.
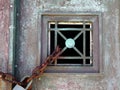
(12, 29)
(84, 44)
(91, 45)
(55, 34)
(55, 38)
(49, 37)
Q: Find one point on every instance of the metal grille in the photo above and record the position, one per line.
(75, 39)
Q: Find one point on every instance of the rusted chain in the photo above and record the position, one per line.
(39, 70)
(9, 78)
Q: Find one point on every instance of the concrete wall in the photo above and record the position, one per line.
(110, 79)
(28, 49)
(4, 39)
(110, 11)
(4, 34)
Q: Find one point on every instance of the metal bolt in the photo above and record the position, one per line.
(70, 43)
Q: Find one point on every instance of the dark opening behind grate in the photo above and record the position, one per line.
(87, 43)
(70, 61)
(70, 52)
(87, 61)
(87, 26)
(52, 25)
(69, 26)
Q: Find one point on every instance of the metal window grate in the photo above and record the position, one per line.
(75, 39)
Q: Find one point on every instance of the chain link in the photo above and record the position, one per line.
(40, 69)
(36, 73)
(9, 78)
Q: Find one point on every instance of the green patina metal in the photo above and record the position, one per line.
(17, 32)
(14, 25)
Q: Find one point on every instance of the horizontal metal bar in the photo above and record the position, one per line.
(88, 64)
(69, 29)
(69, 57)
(70, 65)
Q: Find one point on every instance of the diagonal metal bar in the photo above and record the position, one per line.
(55, 63)
(62, 35)
(77, 51)
(63, 50)
(78, 35)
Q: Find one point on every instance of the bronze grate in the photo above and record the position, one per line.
(75, 39)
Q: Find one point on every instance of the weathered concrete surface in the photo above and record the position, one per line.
(110, 80)
(4, 40)
(4, 34)
(28, 49)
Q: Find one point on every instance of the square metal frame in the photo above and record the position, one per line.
(95, 17)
